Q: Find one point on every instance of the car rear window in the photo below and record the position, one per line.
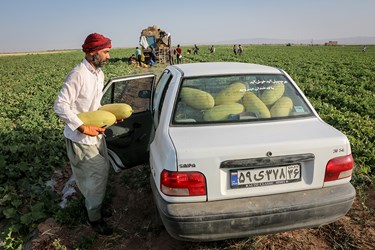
(238, 98)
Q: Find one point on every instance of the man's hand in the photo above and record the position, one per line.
(90, 130)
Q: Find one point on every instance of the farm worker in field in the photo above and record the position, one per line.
(235, 49)
(172, 53)
(196, 49)
(138, 54)
(153, 54)
(162, 33)
(212, 49)
(132, 59)
(86, 146)
(240, 49)
(179, 54)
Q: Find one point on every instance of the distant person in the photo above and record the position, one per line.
(153, 54)
(235, 49)
(132, 59)
(364, 49)
(179, 54)
(162, 33)
(212, 49)
(138, 55)
(240, 49)
(151, 63)
(196, 49)
(85, 144)
(172, 53)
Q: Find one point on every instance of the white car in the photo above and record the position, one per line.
(234, 149)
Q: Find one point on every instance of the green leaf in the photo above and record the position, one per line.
(26, 219)
(37, 215)
(5, 198)
(9, 213)
(16, 203)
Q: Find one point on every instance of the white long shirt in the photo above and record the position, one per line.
(81, 92)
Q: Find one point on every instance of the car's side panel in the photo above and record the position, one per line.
(162, 151)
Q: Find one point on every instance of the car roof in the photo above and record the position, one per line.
(224, 68)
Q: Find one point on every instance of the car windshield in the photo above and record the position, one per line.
(239, 98)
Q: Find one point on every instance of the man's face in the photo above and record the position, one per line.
(101, 57)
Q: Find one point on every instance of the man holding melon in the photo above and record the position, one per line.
(86, 146)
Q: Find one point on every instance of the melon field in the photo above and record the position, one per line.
(338, 80)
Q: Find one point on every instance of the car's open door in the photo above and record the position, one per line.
(128, 141)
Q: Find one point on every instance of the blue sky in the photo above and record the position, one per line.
(40, 25)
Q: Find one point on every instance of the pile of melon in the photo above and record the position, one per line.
(235, 99)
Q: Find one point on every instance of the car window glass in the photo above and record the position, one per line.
(159, 94)
(127, 91)
(159, 89)
(237, 99)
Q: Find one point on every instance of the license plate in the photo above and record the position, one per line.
(265, 176)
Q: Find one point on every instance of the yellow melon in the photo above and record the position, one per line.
(282, 107)
(253, 104)
(221, 112)
(197, 98)
(270, 96)
(120, 110)
(99, 118)
(232, 93)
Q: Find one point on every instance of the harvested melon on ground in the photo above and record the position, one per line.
(232, 93)
(99, 118)
(120, 110)
(221, 112)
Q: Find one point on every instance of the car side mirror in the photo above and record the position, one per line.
(144, 94)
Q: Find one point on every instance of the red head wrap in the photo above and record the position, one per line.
(95, 42)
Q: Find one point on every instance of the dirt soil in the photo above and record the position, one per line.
(135, 227)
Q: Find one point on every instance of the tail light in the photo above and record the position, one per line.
(182, 183)
(339, 168)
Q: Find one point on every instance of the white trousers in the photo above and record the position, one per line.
(90, 167)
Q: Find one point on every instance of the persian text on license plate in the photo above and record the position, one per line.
(265, 176)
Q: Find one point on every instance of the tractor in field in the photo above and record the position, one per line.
(155, 42)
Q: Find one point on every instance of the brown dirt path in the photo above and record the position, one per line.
(133, 213)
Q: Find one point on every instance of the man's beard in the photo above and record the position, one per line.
(97, 61)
